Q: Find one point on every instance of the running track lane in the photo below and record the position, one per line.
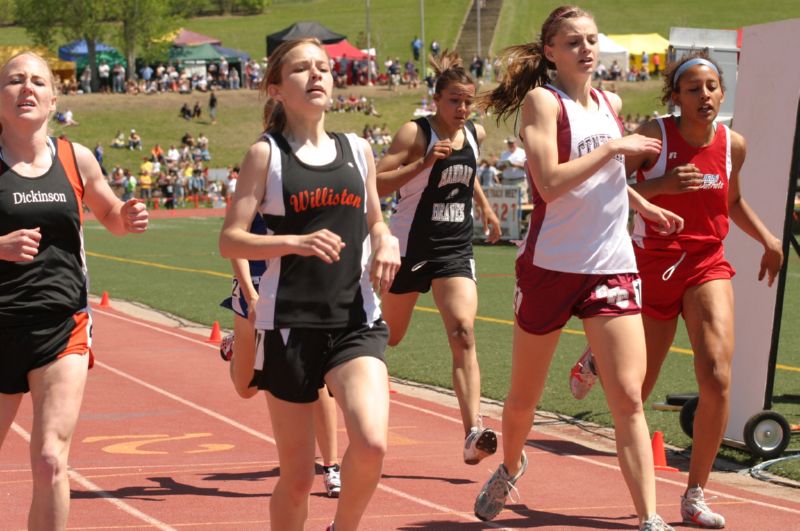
(164, 443)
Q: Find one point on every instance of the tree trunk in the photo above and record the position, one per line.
(91, 46)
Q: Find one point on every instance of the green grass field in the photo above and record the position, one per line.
(176, 267)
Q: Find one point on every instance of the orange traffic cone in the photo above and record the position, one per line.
(215, 336)
(389, 381)
(659, 455)
(155, 203)
(104, 300)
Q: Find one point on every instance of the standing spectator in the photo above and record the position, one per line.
(147, 75)
(212, 107)
(98, 155)
(615, 72)
(645, 65)
(86, 80)
(233, 79)
(435, 48)
(104, 75)
(512, 165)
(656, 65)
(119, 78)
(416, 47)
(129, 186)
(488, 174)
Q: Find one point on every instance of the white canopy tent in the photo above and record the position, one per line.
(611, 51)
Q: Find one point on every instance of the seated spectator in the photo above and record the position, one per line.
(157, 152)
(202, 145)
(134, 140)
(65, 118)
(173, 155)
(197, 111)
(185, 112)
(119, 140)
(187, 139)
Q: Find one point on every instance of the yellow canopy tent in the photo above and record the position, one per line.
(63, 69)
(636, 43)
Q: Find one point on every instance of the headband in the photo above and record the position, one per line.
(690, 63)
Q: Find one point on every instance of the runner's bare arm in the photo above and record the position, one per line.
(117, 216)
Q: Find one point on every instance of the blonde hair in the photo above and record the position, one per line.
(4, 69)
(526, 66)
(274, 116)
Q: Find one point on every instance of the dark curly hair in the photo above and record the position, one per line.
(672, 68)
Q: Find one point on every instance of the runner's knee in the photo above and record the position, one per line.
(48, 467)
(463, 335)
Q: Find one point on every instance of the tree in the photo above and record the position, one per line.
(142, 22)
(78, 19)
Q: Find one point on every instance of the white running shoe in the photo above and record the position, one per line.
(332, 480)
(583, 375)
(226, 347)
(480, 443)
(655, 523)
(492, 498)
(695, 510)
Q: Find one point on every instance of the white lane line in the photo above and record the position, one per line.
(545, 447)
(109, 497)
(256, 433)
(188, 403)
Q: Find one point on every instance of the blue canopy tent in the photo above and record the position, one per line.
(78, 51)
(232, 55)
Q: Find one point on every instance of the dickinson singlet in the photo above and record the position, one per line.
(584, 230)
(433, 218)
(303, 291)
(54, 284)
(704, 212)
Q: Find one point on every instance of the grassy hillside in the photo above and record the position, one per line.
(521, 20)
(394, 24)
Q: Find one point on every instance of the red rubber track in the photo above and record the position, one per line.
(164, 442)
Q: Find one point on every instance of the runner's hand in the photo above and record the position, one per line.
(134, 216)
(385, 263)
(440, 150)
(636, 145)
(680, 179)
(21, 245)
(666, 222)
(491, 225)
(323, 244)
(771, 261)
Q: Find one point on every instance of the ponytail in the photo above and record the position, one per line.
(449, 68)
(526, 66)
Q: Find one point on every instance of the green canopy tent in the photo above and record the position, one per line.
(194, 55)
